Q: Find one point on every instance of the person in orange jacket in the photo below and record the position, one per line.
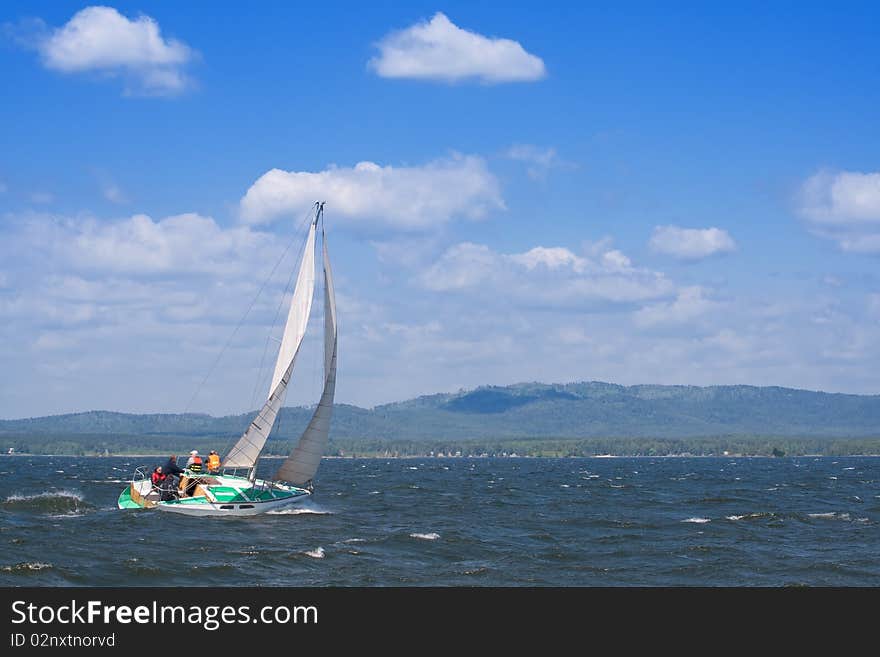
(213, 462)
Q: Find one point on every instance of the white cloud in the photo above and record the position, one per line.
(539, 160)
(843, 206)
(690, 303)
(691, 243)
(404, 197)
(551, 276)
(103, 40)
(844, 197)
(146, 301)
(551, 258)
(141, 246)
(440, 50)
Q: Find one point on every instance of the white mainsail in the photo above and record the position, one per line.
(301, 465)
(246, 451)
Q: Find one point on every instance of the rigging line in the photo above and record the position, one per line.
(237, 327)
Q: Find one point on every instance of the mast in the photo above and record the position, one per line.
(300, 467)
(246, 452)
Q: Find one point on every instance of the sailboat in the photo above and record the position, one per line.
(235, 490)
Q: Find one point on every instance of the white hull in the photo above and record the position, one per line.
(217, 496)
(227, 510)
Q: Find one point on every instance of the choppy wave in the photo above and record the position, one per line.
(709, 529)
(26, 567)
(752, 516)
(51, 502)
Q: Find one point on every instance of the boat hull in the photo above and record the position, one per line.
(215, 496)
(208, 508)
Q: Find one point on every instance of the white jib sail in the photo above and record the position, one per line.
(246, 451)
(302, 464)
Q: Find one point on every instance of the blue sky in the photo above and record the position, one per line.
(631, 193)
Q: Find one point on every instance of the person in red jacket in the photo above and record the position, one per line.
(158, 477)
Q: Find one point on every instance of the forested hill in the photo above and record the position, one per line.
(528, 410)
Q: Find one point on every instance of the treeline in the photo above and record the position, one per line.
(590, 410)
(757, 445)
(632, 446)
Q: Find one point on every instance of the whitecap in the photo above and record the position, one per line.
(315, 554)
(373, 492)
(564, 486)
(830, 515)
(16, 497)
(25, 566)
(698, 521)
(355, 540)
(432, 536)
(298, 511)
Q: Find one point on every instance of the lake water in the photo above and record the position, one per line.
(461, 522)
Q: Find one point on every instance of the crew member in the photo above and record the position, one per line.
(213, 462)
(158, 477)
(194, 464)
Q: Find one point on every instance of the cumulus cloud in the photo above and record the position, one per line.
(843, 206)
(689, 304)
(409, 197)
(553, 276)
(87, 299)
(140, 246)
(691, 243)
(440, 50)
(100, 39)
